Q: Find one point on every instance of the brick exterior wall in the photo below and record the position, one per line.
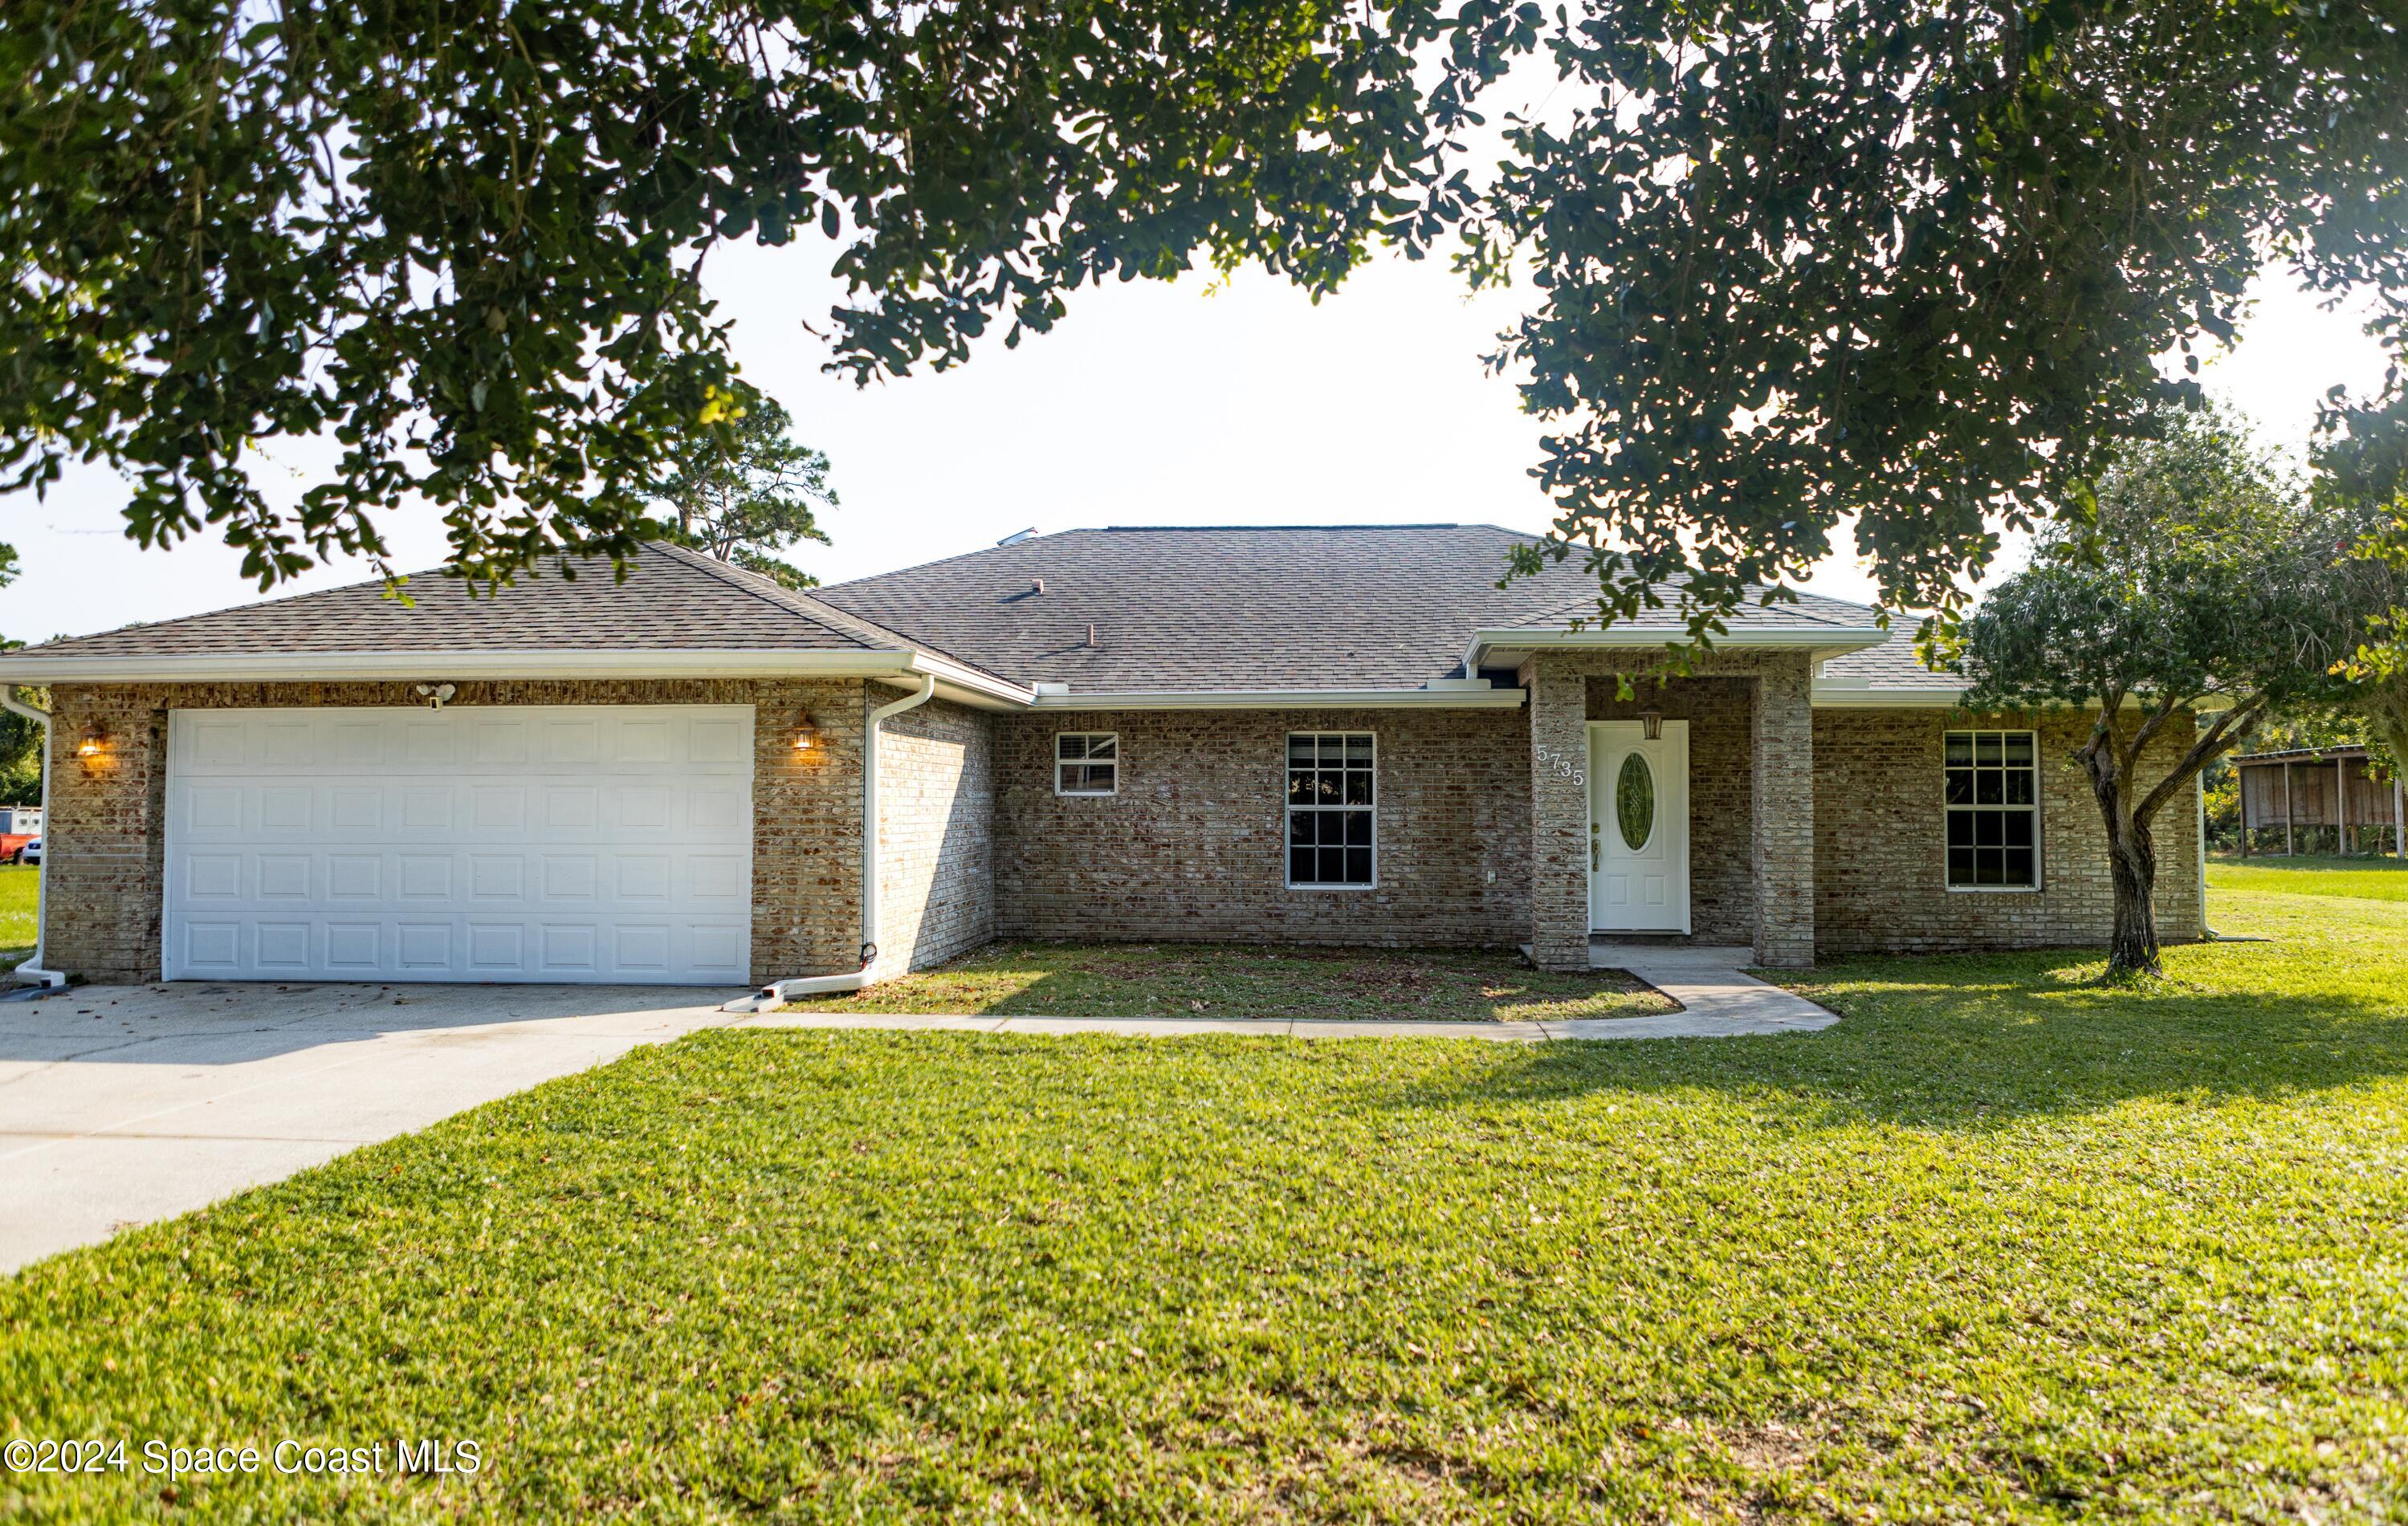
(1775, 858)
(1193, 847)
(1830, 820)
(935, 842)
(106, 852)
(1882, 886)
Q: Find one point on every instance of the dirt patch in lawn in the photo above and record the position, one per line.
(1250, 980)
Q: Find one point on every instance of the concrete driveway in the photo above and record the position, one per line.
(120, 1105)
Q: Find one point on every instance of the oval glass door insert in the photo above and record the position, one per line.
(1634, 802)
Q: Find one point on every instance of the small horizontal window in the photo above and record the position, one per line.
(1088, 762)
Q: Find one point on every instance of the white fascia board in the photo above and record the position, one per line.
(1825, 640)
(263, 667)
(1285, 699)
(1859, 697)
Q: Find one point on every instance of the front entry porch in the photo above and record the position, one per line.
(1702, 834)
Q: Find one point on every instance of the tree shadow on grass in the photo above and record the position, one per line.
(1968, 1043)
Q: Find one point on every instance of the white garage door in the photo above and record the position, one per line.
(575, 843)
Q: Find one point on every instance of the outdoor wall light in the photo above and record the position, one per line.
(1652, 723)
(95, 742)
(807, 736)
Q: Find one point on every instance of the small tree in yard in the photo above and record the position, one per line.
(746, 491)
(2206, 584)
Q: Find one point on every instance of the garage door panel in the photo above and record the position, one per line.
(357, 948)
(604, 843)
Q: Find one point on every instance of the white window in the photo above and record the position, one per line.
(1993, 809)
(1330, 836)
(1086, 763)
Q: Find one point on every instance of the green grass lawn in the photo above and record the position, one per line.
(1192, 979)
(2363, 878)
(17, 883)
(2003, 1244)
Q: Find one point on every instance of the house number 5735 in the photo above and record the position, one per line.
(1563, 767)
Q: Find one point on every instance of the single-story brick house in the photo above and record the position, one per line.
(1311, 734)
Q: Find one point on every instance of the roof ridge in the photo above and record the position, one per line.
(1215, 529)
(761, 588)
(818, 611)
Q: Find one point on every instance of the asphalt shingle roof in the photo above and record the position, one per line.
(671, 599)
(1892, 664)
(1369, 606)
(1280, 608)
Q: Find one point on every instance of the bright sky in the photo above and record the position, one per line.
(1151, 405)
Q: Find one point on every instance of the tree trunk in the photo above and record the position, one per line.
(2132, 867)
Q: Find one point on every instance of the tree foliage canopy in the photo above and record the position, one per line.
(466, 240)
(2207, 579)
(1910, 260)
(1915, 258)
(747, 490)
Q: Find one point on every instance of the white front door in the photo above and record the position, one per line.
(1638, 828)
(588, 843)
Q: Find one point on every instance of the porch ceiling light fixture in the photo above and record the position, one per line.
(807, 734)
(1651, 724)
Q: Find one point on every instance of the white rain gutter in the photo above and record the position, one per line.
(1821, 639)
(1442, 695)
(777, 992)
(970, 685)
(33, 965)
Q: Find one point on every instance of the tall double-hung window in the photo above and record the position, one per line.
(1993, 809)
(1331, 842)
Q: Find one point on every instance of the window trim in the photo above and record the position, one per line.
(2039, 838)
(1288, 809)
(1091, 736)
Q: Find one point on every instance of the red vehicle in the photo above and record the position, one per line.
(19, 825)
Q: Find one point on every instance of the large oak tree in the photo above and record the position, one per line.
(1917, 259)
(1912, 259)
(465, 239)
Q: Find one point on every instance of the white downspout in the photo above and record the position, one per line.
(777, 992)
(33, 965)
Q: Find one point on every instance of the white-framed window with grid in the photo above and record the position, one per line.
(1332, 836)
(1992, 794)
(1086, 763)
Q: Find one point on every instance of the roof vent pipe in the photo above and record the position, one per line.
(1037, 587)
(1091, 632)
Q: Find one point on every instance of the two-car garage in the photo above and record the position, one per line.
(605, 843)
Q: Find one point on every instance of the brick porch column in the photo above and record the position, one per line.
(1558, 814)
(1783, 817)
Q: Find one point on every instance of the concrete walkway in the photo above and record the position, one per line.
(127, 1103)
(1708, 982)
